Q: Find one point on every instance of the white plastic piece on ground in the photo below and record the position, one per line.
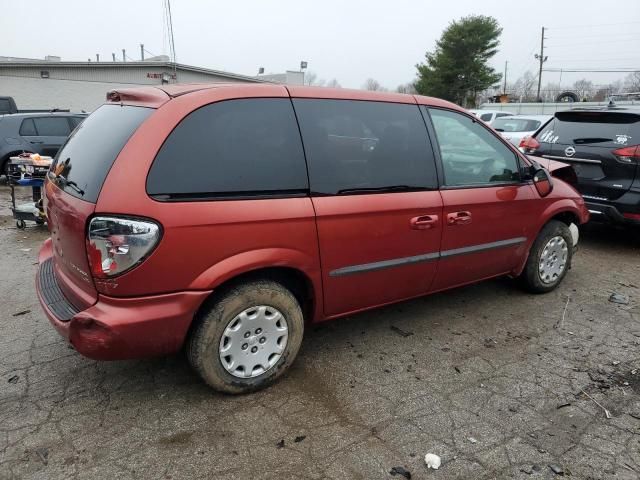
(432, 460)
(575, 233)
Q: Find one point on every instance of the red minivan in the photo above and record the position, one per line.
(225, 218)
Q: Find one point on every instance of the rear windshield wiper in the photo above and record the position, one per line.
(71, 184)
(592, 140)
(389, 188)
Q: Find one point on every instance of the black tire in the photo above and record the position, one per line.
(21, 224)
(204, 340)
(530, 277)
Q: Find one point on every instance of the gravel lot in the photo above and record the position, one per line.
(493, 380)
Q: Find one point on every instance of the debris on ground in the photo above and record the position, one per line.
(472, 440)
(432, 460)
(615, 362)
(528, 470)
(399, 331)
(400, 471)
(619, 298)
(43, 453)
(564, 313)
(299, 438)
(14, 379)
(607, 413)
(21, 312)
(25, 249)
(557, 469)
(562, 405)
(280, 444)
(457, 369)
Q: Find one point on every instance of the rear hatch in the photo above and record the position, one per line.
(587, 140)
(72, 189)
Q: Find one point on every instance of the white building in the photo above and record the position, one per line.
(77, 86)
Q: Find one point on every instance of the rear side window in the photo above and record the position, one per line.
(28, 128)
(75, 121)
(232, 148)
(359, 146)
(485, 117)
(599, 129)
(84, 160)
(52, 126)
(510, 124)
(5, 106)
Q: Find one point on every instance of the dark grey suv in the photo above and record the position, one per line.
(42, 133)
(603, 146)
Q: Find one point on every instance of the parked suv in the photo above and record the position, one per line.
(41, 133)
(603, 146)
(226, 218)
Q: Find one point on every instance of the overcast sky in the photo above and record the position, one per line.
(350, 40)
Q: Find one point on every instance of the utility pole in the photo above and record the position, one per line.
(113, 55)
(504, 90)
(142, 52)
(124, 55)
(541, 58)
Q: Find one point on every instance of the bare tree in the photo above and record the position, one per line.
(584, 89)
(523, 88)
(311, 78)
(373, 85)
(632, 82)
(406, 88)
(333, 83)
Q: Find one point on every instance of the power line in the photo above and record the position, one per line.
(571, 27)
(588, 43)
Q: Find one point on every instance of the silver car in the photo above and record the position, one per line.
(516, 127)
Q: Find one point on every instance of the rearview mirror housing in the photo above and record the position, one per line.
(542, 181)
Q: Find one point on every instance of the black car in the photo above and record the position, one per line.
(603, 146)
(42, 133)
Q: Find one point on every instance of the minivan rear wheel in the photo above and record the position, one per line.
(247, 338)
(549, 258)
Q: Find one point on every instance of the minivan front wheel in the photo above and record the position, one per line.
(549, 258)
(247, 338)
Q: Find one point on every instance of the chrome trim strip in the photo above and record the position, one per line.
(596, 212)
(572, 159)
(427, 257)
(396, 262)
(482, 247)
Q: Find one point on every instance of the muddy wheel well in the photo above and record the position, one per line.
(292, 279)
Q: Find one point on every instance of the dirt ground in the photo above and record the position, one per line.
(498, 383)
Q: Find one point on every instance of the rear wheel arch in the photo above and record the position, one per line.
(293, 279)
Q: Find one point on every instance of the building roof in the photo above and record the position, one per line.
(149, 63)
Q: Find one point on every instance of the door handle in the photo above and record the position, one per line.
(459, 218)
(424, 222)
(36, 141)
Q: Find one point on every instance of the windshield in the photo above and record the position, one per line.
(83, 162)
(510, 124)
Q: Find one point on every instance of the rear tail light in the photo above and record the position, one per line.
(632, 216)
(528, 144)
(115, 245)
(628, 154)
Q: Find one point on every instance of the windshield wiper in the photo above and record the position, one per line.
(71, 183)
(390, 188)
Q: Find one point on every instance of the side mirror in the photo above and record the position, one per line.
(542, 182)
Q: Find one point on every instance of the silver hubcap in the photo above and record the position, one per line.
(253, 341)
(553, 260)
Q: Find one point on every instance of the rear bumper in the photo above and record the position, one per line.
(118, 328)
(612, 212)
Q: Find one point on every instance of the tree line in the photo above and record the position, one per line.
(457, 70)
